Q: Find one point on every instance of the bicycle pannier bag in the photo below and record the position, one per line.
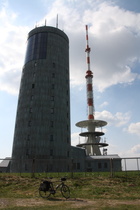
(45, 186)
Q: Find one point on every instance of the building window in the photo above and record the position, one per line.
(28, 137)
(99, 165)
(26, 168)
(33, 86)
(68, 153)
(27, 152)
(105, 165)
(52, 124)
(37, 47)
(67, 139)
(32, 97)
(53, 65)
(89, 164)
(52, 86)
(30, 110)
(53, 75)
(78, 165)
(52, 98)
(51, 152)
(51, 137)
(29, 123)
(52, 110)
(74, 166)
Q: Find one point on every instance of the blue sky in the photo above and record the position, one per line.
(114, 38)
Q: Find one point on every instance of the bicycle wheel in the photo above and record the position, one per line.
(44, 194)
(65, 191)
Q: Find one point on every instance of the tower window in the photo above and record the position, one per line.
(52, 110)
(52, 98)
(30, 110)
(52, 124)
(36, 48)
(51, 152)
(68, 154)
(53, 65)
(67, 127)
(67, 139)
(27, 152)
(51, 137)
(26, 168)
(78, 165)
(29, 123)
(32, 97)
(28, 137)
(53, 75)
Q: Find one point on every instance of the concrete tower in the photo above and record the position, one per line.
(42, 129)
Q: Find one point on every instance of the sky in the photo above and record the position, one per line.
(114, 39)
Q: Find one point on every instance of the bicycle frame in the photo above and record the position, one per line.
(59, 185)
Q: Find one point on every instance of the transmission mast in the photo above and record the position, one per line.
(89, 76)
(92, 142)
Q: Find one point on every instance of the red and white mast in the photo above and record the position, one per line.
(89, 76)
(92, 144)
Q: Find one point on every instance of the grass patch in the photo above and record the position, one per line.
(84, 188)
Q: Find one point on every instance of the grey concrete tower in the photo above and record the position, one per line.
(42, 129)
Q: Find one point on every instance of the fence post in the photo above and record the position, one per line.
(33, 168)
(125, 168)
(20, 165)
(111, 167)
(72, 168)
(137, 165)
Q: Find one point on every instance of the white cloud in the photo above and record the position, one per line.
(134, 128)
(112, 149)
(114, 39)
(118, 119)
(74, 139)
(13, 44)
(105, 103)
(132, 152)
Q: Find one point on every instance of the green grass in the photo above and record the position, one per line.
(91, 187)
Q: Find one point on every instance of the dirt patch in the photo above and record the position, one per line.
(73, 203)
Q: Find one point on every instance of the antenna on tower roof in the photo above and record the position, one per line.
(57, 21)
(45, 22)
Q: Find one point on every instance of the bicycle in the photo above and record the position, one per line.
(47, 188)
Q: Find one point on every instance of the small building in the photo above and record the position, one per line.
(5, 165)
(78, 156)
(103, 163)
